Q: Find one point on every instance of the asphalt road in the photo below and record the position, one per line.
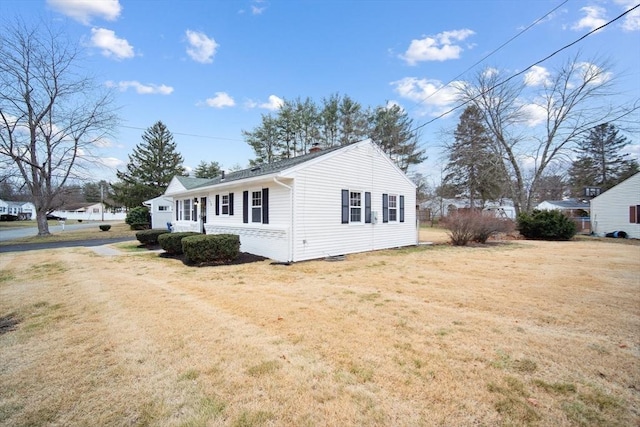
(22, 247)
(12, 234)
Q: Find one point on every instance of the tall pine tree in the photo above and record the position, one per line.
(600, 160)
(473, 168)
(152, 165)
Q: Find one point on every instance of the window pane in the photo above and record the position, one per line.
(256, 215)
(256, 198)
(355, 214)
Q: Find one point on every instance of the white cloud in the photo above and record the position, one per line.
(142, 89)
(273, 104)
(440, 47)
(593, 73)
(432, 94)
(111, 45)
(632, 19)
(84, 10)
(221, 100)
(537, 76)
(255, 10)
(111, 162)
(201, 48)
(535, 114)
(594, 18)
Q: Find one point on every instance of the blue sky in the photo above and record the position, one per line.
(209, 69)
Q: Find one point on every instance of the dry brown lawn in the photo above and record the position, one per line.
(509, 333)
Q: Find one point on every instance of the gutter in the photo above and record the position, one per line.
(290, 244)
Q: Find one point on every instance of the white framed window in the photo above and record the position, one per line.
(224, 205)
(186, 210)
(393, 208)
(256, 206)
(163, 208)
(355, 206)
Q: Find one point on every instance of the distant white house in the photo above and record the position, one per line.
(161, 211)
(572, 207)
(618, 209)
(23, 210)
(89, 212)
(341, 200)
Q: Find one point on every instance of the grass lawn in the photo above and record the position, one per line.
(509, 333)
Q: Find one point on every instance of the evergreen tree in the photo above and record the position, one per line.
(151, 167)
(341, 121)
(600, 160)
(473, 168)
(391, 128)
(207, 170)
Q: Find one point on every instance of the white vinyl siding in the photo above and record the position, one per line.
(610, 210)
(321, 232)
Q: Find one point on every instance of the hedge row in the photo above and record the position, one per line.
(150, 237)
(211, 248)
(172, 242)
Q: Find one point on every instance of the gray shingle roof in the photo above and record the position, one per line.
(570, 204)
(262, 169)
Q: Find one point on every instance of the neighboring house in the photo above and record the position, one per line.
(576, 209)
(341, 200)
(23, 210)
(573, 208)
(89, 212)
(618, 209)
(161, 211)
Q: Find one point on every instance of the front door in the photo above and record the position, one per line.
(203, 213)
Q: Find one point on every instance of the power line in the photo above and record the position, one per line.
(189, 134)
(526, 69)
(494, 51)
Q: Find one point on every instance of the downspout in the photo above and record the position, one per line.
(291, 224)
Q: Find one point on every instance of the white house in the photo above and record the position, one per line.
(341, 200)
(161, 211)
(23, 210)
(89, 212)
(573, 207)
(618, 209)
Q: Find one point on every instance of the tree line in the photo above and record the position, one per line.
(299, 125)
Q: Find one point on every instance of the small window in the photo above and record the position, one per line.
(186, 210)
(163, 208)
(634, 214)
(393, 207)
(225, 204)
(256, 206)
(355, 206)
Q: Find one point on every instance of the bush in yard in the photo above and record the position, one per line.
(150, 237)
(546, 225)
(488, 225)
(105, 227)
(211, 248)
(475, 226)
(172, 242)
(138, 218)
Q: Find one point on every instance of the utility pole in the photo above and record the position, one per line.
(102, 200)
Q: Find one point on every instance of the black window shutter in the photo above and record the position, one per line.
(230, 203)
(367, 207)
(177, 210)
(265, 206)
(345, 206)
(385, 208)
(217, 204)
(401, 208)
(194, 212)
(245, 207)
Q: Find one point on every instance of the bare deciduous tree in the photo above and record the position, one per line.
(51, 114)
(569, 102)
